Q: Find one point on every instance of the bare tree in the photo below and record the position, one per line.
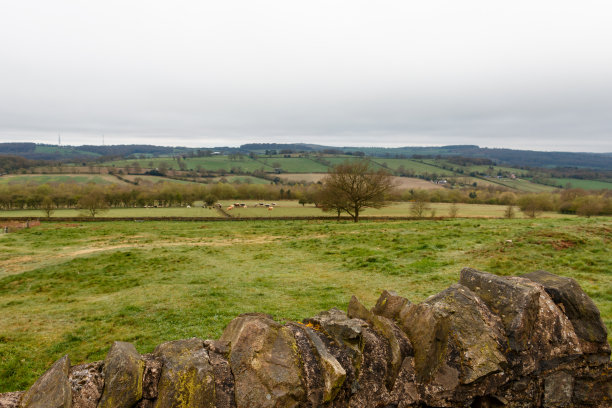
(589, 206)
(534, 204)
(93, 203)
(418, 207)
(136, 168)
(453, 210)
(47, 206)
(163, 167)
(354, 186)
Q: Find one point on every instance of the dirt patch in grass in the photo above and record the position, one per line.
(16, 263)
(191, 243)
(21, 264)
(563, 244)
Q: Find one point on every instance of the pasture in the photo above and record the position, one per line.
(585, 184)
(401, 182)
(75, 287)
(240, 180)
(58, 178)
(524, 185)
(284, 208)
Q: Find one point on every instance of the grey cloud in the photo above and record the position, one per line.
(341, 73)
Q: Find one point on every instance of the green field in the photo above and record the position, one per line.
(287, 164)
(154, 179)
(483, 169)
(75, 287)
(195, 211)
(522, 185)
(284, 208)
(240, 180)
(417, 167)
(295, 164)
(214, 163)
(585, 184)
(58, 178)
(224, 164)
(293, 209)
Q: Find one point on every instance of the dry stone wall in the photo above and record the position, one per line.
(488, 341)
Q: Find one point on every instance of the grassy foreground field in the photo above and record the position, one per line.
(74, 288)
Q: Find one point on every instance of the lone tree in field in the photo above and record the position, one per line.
(47, 206)
(93, 203)
(534, 204)
(353, 186)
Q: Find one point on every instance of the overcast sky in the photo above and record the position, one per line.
(531, 74)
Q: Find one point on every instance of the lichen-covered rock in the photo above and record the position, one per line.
(536, 328)
(579, 308)
(538, 331)
(87, 382)
(218, 352)
(370, 387)
(389, 305)
(399, 344)
(514, 301)
(265, 362)
(333, 372)
(123, 376)
(554, 340)
(405, 391)
(314, 383)
(324, 375)
(558, 389)
(187, 379)
(593, 386)
(457, 340)
(150, 380)
(11, 399)
(346, 357)
(52, 389)
(343, 329)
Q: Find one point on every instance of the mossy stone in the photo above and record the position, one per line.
(123, 376)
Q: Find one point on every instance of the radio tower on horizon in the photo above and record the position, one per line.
(59, 139)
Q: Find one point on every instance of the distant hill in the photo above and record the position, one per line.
(87, 152)
(509, 157)
(261, 147)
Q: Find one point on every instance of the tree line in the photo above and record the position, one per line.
(50, 196)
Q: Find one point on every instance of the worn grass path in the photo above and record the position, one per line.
(74, 288)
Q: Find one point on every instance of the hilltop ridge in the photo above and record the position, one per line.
(511, 157)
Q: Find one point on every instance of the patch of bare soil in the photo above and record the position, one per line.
(562, 244)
